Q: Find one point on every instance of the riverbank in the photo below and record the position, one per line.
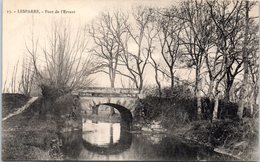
(176, 116)
(34, 133)
(11, 102)
(26, 136)
(237, 139)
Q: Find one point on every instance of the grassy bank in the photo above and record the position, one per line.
(238, 138)
(26, 137)
(31, 134)
(11, 102)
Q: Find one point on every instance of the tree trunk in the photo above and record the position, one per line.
(158, 83)
(214, 97)
(159, 90)
(227, 90)
(251, 109)
(211, 91)
(242, 98)
(112, 76)
(172, 80)
(112, 81)
(140, 83)
(244, 89)
(198, 95)
(215, 109)
(255, 96)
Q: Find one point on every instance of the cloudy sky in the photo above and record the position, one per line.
(17, 26)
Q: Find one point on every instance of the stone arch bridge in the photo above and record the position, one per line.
(122, 99)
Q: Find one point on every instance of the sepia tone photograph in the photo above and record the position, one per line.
(130, 80)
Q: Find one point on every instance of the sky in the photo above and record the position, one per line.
(17, 27)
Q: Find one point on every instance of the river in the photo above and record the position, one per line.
(99, 140)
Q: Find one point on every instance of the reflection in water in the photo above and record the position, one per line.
(113, 141)
(101, 133)
(106, 138)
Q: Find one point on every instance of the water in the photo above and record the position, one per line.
(102, 133)
(113, 141)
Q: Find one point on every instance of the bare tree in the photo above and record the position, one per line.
(26, 82)
(215, 71)
(244, 92)
(197, 39)
(63, 64)
(170, 28)
(13, 84)
(227, 19)
(107, 33)
(253, 76)
(157, 70)
(151, 37)
(140, 33)
(12, 87)
(5, 88)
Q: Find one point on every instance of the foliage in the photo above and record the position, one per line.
(176, 107)
(238, 138)
(226, 109)
(179, 91)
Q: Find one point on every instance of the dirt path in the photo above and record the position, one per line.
(20, 110)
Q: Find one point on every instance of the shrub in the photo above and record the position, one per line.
(179, 91)
(172, 111)
(226, 109)
(178, 106)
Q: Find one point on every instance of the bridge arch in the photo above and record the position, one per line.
(125, 138)
(126, 115)
(119, 98)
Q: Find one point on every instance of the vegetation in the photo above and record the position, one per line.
(28, 136)
(11, 102)
(238, 139)
(217, 41)
(64, 63)
(175, 111)
(177, 106)
(30, 144)
(214, 40)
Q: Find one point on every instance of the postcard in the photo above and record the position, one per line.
(130, 80)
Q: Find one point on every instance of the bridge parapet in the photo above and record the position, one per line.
(117, 97)
(112, 92)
